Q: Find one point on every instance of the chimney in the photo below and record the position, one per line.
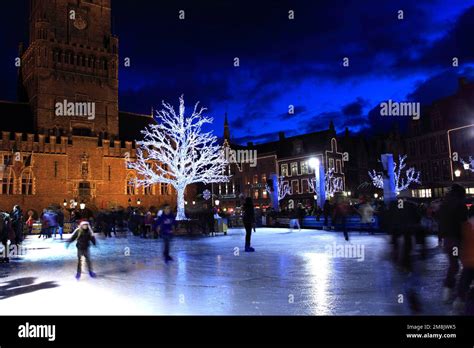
(281, 136)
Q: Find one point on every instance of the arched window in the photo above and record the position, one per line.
(148, 190)
(131, 184)
(27, 182)
(8, 181)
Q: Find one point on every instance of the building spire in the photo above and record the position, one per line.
(226, 128)
(331, 126)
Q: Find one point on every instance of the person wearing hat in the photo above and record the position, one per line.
(84, 236)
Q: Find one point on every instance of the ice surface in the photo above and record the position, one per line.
(291, 273)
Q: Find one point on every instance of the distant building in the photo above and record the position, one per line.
(438, 141)
(287, 157)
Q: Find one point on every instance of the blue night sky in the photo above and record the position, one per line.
(282, 62)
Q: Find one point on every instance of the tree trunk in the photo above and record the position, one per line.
(181, 215)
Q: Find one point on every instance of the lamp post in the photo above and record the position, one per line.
(457, 173)
(82, 205)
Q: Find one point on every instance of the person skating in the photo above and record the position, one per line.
(60, 220)
(84, 236)
(326, 212)
(249, 222)
(17, 224)
(165, 226)
(340, 213)
(467, 260)
(4, 231)
(452, 215)
(301, 214)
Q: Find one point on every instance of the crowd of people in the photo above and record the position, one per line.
(406, 221)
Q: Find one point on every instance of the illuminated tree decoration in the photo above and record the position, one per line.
(468, 165)
(283, 188)
(333, 183)
(176, 151)
(403, 177)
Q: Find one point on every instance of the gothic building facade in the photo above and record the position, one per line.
(65, 139)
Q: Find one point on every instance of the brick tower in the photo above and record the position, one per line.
(72, 57)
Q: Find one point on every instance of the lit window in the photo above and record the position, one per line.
(27, 183)
(294, 168)
(304, 168)
(131, 184)
(7, 182)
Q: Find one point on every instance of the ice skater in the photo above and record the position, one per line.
(165, 226)
(84, 236)
(249, 222)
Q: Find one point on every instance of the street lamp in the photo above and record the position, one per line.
(82, 205)
(139, 201)
(457, 173)
(65, 203)
(376, 195)
(129, 201)
(466, 166)
(217, 202)
(314, 162)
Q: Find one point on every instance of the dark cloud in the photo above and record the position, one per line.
(355, 108)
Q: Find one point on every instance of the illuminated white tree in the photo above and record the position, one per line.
(333, 183)
(468, 165)
(176, 151)
(403, 177)
(283, 188)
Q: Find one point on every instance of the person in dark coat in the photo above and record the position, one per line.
(249, 221)
(165, 225)
(60, 219)
(84, 236)
(404, 222)
(4, 227)
(301, 214)
(17, 223)
(452, 216)
(326, 211)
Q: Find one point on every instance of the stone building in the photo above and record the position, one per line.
(66, 139)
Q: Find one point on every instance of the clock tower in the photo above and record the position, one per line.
(70, 69)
